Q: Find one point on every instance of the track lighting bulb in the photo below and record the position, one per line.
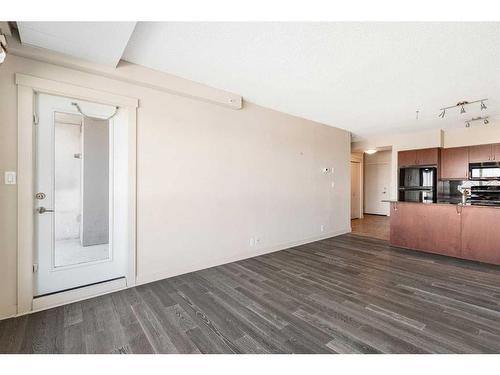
(462, 110)
(483, 106)
(442, 113)
(3, 47)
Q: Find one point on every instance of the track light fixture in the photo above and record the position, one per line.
(475, 119)
(3, 47)
(462, 106)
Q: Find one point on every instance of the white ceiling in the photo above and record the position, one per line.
(365, 77)
(368, 78)
(100, 42)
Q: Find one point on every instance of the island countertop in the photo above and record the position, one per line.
(442, 202)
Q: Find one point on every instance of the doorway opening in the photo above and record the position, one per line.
(373, 185)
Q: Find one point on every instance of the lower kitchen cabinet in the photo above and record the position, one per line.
(480, 234)
(462, 232)
(432, 228)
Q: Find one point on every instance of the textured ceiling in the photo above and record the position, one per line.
(369, 78)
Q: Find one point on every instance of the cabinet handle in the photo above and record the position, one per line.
(458, 207)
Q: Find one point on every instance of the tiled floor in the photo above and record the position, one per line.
(375, 226)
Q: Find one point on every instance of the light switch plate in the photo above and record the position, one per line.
(10, 178)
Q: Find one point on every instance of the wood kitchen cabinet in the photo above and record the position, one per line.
(433, 228)
(428, 156)
(480, 236)
(407, 158)
(467, 232)
(496, 152)
(454, 163)
(425, 156)
(480, 153)
(484, 153)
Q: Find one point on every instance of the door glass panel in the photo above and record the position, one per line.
(81, 190)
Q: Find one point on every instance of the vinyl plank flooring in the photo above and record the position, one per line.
(347, 294)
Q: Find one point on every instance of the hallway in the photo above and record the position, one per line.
(375, 226)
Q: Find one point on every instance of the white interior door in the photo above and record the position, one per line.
(355, 190)
(377, 178)
(80, 206)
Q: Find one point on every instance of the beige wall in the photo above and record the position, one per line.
(475, 135)
(209, 177)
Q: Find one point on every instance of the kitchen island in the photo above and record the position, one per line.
(461, 231)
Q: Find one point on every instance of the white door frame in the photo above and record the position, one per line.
(27, 86)
(358, 158)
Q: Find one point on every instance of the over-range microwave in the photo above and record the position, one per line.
(484, 171)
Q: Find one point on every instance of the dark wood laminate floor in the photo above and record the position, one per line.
(347, 294)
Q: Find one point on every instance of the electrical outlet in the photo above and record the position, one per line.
(257, 241)
(322, 228)
(252, 242)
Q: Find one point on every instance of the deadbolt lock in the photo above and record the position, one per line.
(40, 196)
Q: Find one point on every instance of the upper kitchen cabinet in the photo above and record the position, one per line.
(407, 158)
(496, 152)
(426, 156)
(480, 153)
(455, 163)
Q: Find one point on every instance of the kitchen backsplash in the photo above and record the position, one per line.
(448, 189)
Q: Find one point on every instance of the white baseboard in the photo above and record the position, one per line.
(79, 294)
(165, 274)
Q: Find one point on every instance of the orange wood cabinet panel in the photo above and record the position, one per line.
(407, 158)
(481, 234)
(428, 156)
(455, 163)
(496, 152)
(431, 228)
(480, 153)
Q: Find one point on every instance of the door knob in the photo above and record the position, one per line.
(42, 210)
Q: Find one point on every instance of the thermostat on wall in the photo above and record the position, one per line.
(10, 178)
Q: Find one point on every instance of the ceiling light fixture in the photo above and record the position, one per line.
(3, 47)
(462, 106)
(371, 151)
(475, 119)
